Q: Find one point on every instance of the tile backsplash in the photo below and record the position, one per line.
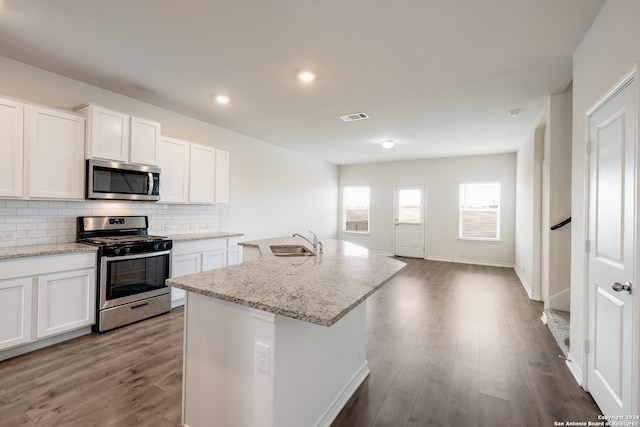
(37, 222)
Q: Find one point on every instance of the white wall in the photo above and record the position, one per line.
(558, 156)
(273, 191)
(441, 177)
(529, 209)
(607, 52)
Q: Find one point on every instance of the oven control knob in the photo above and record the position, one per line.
(126, 250)
(116, 251)
(165, 245)
(156, 246)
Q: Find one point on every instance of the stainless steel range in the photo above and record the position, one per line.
(132, 269)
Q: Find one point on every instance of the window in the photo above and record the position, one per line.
(480, 211)
(355, 214)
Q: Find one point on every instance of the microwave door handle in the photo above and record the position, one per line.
(150, 184)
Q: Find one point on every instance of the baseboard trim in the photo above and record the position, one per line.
(344, 396)
(525, 285)
(574, 369)
(42, 343)
(471, 261)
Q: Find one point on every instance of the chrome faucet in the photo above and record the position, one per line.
(316, 244)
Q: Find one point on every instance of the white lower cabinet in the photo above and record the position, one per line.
(66, 301)
(45, 296)
(196, 256)
(15, 312)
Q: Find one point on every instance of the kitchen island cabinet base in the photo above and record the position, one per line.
(310, 373)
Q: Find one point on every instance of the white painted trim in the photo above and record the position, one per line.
(470, 261)
(344, 396)
(574, 369)
(527, 288)
(36, 345)
(544, 317)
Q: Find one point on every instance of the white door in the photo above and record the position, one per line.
(611, 376)
(409, 221)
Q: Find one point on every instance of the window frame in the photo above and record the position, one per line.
(345, 207)
(480, 209)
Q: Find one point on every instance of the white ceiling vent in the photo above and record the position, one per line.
(354, 117)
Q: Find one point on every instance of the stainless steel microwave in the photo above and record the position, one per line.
(122, 181)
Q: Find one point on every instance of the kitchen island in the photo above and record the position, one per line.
(279, 341)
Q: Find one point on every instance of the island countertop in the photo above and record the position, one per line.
(318, 289)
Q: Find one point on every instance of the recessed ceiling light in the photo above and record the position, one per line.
(306, 76)
(222, 99)
(388, 144)
(514, 113)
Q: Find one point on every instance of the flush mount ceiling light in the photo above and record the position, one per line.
(514, 113)
(306, 76)
(354, 116)
(222, 99)
(388, 144)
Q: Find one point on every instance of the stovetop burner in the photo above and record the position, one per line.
(117, 236)
(112, 240)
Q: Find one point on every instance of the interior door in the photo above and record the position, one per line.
(409, 221)
(611, 258)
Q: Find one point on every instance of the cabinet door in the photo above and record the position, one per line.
(12, 148)
(174, 164)
(145, 140)
(222, 176)
(202, 174)
(182, 265)
(214, 259)
(56, 160)
(234, 255)
(66, 301)
(108, 135)
(15, 312)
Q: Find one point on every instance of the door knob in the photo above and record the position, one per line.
(619, 287)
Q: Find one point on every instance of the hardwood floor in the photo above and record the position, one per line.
(461, 345)
(448, 345)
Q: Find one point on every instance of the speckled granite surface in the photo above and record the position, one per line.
(40, 250)
(318, 289)
(203, 236)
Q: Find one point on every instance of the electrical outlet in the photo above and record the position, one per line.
(6, 236)
(263, 357)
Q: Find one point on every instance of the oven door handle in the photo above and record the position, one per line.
(135, 256)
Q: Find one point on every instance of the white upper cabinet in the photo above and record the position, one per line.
(192, 173)
(112, 135)
(55, 142)
(222, 176)
(107, 134)
(145, 140)
(12, 148)
(173, 159)
(202, 174)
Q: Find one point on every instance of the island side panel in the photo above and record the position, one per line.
(218, 378)
(317, 368)
(313, 369)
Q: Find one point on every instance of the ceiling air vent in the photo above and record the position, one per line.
(354, 117)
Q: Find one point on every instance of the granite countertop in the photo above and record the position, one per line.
(318, 289)
(203, 236)
(40, 250)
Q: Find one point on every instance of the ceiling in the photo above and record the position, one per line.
(436, 76)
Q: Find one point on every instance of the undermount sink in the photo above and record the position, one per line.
(291, 250)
